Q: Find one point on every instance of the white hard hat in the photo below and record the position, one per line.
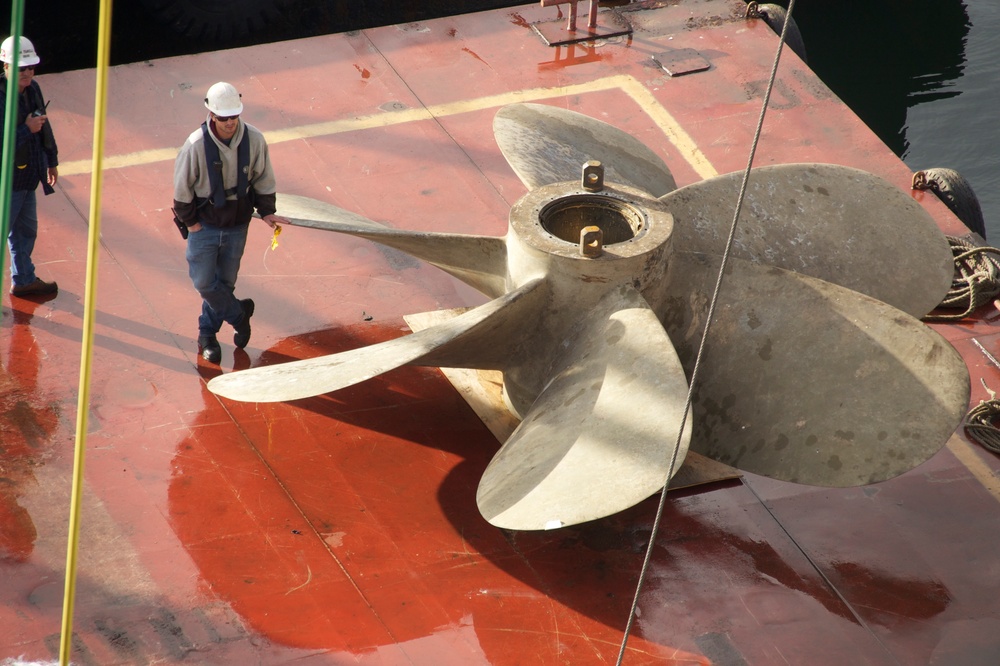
(27, 56)
(223, 100)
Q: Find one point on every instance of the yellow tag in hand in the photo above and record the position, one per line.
(274, 238)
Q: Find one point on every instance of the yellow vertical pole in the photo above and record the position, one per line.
(10, 127)
(83, 402)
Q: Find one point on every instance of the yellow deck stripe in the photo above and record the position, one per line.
(968, 456)
(671, 129)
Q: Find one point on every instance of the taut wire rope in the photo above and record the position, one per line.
(708, 323)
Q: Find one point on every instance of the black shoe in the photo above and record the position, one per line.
(242, 337)
(38, 287)
(209, 348)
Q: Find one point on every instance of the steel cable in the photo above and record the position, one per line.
(711, 313)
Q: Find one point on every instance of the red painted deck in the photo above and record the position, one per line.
(343, 529)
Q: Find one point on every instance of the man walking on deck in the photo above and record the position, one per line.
(221, 175)
(36, 160)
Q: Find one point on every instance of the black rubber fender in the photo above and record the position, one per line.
(774, 16)
(956, 193)
(215, 20)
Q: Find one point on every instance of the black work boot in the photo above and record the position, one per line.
(208, 347)
(242, 336)
(36, 288)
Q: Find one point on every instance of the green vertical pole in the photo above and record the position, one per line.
(9, 130)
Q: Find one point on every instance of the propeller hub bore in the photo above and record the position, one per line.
(618, 220)
(547, 222)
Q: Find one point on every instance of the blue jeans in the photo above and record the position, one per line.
(213, 256)
(21, 239)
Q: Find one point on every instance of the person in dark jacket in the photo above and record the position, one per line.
(36, 160)
(222, 173)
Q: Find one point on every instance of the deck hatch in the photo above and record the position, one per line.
(678, 62)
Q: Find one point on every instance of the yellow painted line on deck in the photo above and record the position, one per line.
(671, 129)
(968, 456)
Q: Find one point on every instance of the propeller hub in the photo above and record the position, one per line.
(548, 236)
(546, 224)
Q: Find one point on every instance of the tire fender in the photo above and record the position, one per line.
(956, 193)
(774, 16)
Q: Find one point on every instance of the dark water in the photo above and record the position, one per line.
(922, 74)
(65, 32)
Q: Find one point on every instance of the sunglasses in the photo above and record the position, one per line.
(23, 68)
(226, 119)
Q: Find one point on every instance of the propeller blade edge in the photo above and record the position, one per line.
(469, 333)
(601, 435)
(836, 223)
(478, 261)
(805, 381)
(547, 144)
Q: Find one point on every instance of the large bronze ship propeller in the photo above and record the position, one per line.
(815, 370)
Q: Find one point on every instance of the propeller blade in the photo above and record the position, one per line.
(478, 261)
(805, 381)
(600, 436)
(546, 144)
(832, 222)
(479, 338)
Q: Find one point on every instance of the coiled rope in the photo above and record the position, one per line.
(976, 281)
(979, 423)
